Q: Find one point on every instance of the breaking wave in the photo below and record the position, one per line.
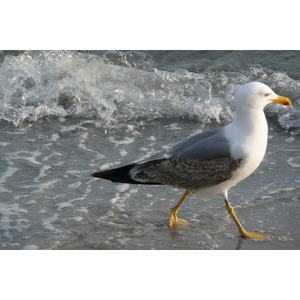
(118, 87)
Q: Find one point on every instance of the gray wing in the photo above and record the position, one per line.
(204, 145)
(200, 161)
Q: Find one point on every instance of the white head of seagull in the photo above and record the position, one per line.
(250, 101)
(256, 95)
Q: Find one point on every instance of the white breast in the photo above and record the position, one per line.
(248, 141)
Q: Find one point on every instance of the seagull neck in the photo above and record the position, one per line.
(252, 120)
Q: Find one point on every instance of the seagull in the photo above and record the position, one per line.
(209, 163)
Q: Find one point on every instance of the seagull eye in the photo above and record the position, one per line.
(266, 95)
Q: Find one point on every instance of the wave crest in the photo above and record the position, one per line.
(116, 88)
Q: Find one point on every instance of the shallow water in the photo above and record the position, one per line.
(81, 112)
(49, 200)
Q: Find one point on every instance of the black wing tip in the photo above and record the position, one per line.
(120, 175)
(97, 174)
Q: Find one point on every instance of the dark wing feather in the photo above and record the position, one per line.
(187, 173)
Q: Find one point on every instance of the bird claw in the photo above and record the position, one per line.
(175, 221)
(254, 235)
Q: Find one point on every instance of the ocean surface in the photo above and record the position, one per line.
(66, 114)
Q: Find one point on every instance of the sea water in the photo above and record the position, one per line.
(66, 114)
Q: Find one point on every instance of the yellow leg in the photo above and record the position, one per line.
(244, 233)
(173, 219)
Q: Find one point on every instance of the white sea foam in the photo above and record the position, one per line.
(125, 141)
(42, 173)
(55, 137)
(292, 164)
(122, 187)
(8, 214)
(106, 166)
(8, 173)
(37, 84)
(123, 152)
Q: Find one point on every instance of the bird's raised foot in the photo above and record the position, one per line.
(175, 221)
(254, 235)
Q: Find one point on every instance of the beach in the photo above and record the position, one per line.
(67, 114)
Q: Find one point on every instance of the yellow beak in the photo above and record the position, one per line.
(282, 100)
